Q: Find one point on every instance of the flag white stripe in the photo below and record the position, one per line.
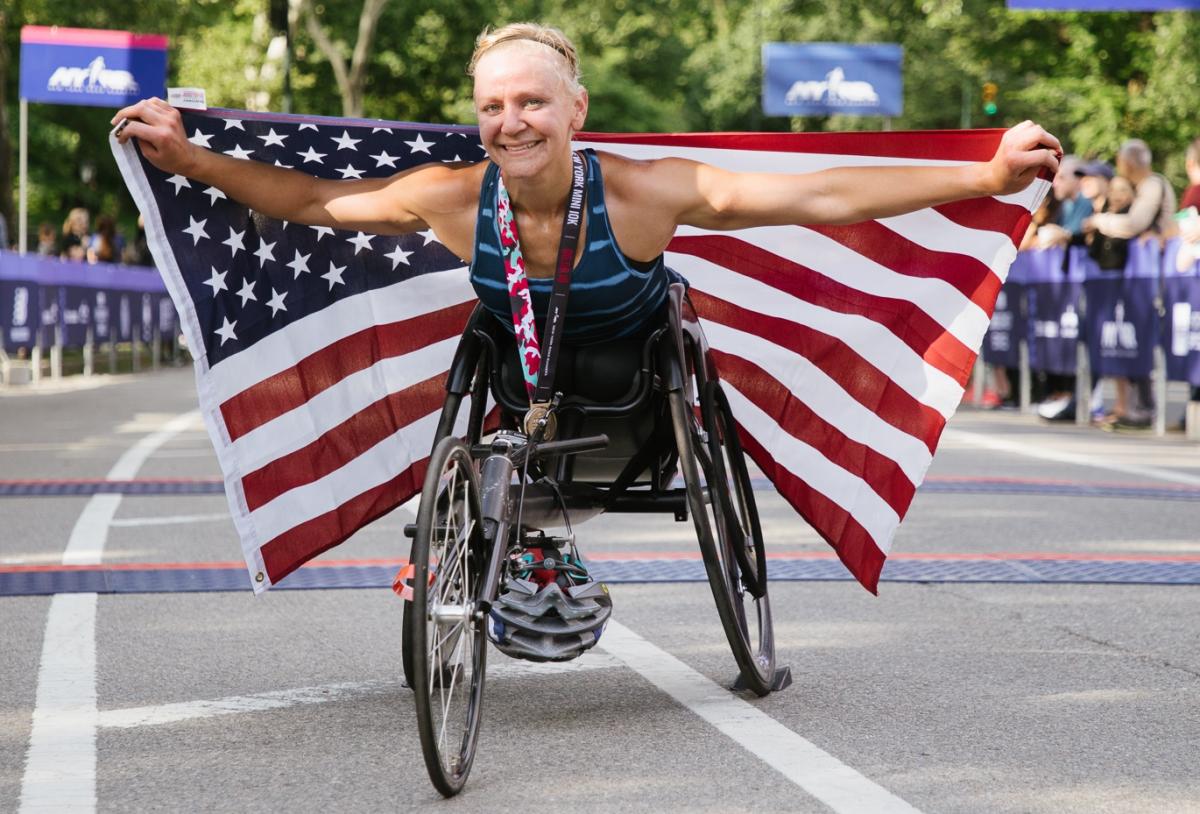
(307, 422)
(944, 303)
(1030, 198)
(304, 337)
(844, 488)
(812, 386)
(864, 336)
(936, 232)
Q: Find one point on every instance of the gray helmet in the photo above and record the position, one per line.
(549, 622)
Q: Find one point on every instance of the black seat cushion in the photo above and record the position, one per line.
(605, 373)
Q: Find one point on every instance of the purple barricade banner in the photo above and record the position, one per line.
(1009, 325)
(1181, 301)
(42, 294)
(1122, 324)
(1052, 302)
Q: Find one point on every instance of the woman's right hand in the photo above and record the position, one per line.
(159, 128)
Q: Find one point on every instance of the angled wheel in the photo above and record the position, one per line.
(722, 528)
(449, 645)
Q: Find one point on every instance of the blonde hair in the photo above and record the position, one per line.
(530, 32)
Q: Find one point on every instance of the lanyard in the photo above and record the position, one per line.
(538, 366)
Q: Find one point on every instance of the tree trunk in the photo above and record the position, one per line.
(350, 79)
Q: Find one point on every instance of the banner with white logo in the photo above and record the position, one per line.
(823, 78)
(1122, 318)
(83, 66)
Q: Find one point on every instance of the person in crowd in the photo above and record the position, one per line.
(1153, 210)
(1094, 177)
(1073, 206)
(75, 234)
(1109, 252)
(1191, 195)
(1043, 218)
(137, 251)
(47, 245)
(105, 245)
(1189, 221)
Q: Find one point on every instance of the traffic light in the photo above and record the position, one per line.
(990, 89)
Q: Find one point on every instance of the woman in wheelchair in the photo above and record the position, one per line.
(537, 221)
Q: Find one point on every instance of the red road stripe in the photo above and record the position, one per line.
(946, 145)
(794, 417)
(343, 443)
(853, 545)
(876, 242)
(288, 389)
(912, 326)
(861, 380)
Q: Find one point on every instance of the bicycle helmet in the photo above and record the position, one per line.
(542, 616)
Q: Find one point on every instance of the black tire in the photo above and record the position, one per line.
(449, 651)
(746, 619)
(738, 504)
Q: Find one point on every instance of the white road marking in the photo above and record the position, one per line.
(60, 764)
(133, 717)
(1059, 456)
(171, 520)
(819, 773)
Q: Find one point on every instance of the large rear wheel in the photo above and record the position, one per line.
(448, 641)
(726, 521)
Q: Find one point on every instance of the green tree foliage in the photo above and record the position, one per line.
(650, 65)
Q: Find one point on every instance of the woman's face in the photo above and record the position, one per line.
(1120, 193)
(527, 113)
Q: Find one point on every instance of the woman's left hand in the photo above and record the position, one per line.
(1023, 152)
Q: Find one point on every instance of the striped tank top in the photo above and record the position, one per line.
(611, 296)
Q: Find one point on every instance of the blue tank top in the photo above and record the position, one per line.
(611, 295)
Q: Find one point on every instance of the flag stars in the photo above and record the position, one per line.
(234, 241)
(265, 252)
(384, 159)
(398, 256)
(196, 229)
(334, 275)
(201, 139)
(232, 123)
(213, 194)
(179, 182)
(309, 126)
(322, 231)
(239, 152)
(349, 171)
(246, 292)
(276, 302)
(420, 145)
(272, 138)
(344, 142)
(217, 281)
(226, 330)
(429, 236)
(360, 242)
(311, 155)
(375, 130)
(299, 265)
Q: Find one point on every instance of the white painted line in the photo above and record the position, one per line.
(819, 773)
(60, 764)
(171, 520)
(60, 770)
(1059, 456)
(133, 717)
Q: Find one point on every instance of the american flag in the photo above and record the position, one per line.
(320, 354)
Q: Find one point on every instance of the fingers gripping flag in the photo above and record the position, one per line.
(321, 354)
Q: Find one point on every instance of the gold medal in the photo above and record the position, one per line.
(535, 415)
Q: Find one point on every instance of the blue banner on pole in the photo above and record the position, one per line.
(1104, 5)
(1009, 324)
(1181, 301)
(1122, 318)
(823, 78)
(1052, 298)
(80, 66)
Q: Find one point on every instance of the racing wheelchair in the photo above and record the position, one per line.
(638, 412)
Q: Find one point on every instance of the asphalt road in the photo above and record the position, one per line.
(946, 694)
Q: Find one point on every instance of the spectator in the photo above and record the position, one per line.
(47, 245)
(75, 234)
(137, 252)
(1191, 195)
(1153, 209)
(1189, 227)
(1094, 178)
(105, 245)
(1111, 253)
(1073, 208)
(1042, 218)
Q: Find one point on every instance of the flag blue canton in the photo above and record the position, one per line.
(249, 275)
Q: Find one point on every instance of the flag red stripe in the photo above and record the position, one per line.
(879, 472)
(864, 382)
(989, 215)
(912, 326)
(288, 551)
(345, 442)
(943, 145)
(290, 388)
(853, 545)
(876, 242)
